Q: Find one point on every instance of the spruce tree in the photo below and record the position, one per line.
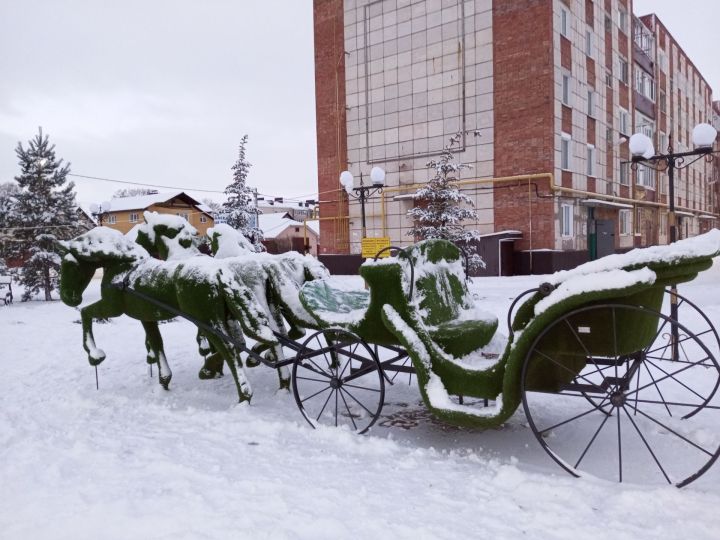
(8, 191)
(240, 208)
(443, 207)
(44, 212)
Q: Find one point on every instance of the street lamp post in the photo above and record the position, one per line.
(642, 150)
(363, 192)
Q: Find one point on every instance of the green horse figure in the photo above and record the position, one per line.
(200, 287)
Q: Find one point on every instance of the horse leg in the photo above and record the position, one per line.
(213, 361)
(228, 353)
(277, 323)
(156, 353)
(99, 310)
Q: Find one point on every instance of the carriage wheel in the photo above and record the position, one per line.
(642, 416)
(337, 380)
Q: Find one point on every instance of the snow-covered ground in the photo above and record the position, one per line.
(134, 461)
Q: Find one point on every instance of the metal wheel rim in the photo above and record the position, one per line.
(663, 318)
(341, 399)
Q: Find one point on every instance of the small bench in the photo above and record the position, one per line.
(6, 296)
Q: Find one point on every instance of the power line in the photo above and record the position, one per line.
(144, 184)
(180, 188)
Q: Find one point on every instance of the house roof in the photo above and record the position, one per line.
(142, 202)
(272, 225)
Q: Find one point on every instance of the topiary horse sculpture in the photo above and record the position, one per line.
(276, 281)
(201, 287)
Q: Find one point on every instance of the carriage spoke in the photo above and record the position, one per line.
(686, 338)
(677, 404)
(348, 411)
(595, 408)
(309, 379)
(699, 362)
(677, 381)
(356, 401)
(646, 445)
(336, 407)
(319, 370)
(657, 388)
(675, 433)
(605, 419)
(325, 405)
(315, 394)
(361, 387)
(349, 362)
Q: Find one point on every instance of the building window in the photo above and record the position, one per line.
(591, 103)
(644, 125)
(565, 152)
(608, 24)
(624, 175)
(644, 84)
(624, 71)
(623, 21)
(112, 219)
(663, 224)
(624, 125)
(566, 220)
(566, 89)
(588, 42)
(662, 101)
(624, 218)
(645, 177)
(564, 22)
(183, 215)
(203, 218)
(590, 160)
(134, 217)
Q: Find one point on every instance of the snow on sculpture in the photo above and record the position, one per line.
(158, 258)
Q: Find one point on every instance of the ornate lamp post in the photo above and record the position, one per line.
(363, 192)
(642, 150)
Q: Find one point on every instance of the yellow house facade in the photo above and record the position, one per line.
(126, 212)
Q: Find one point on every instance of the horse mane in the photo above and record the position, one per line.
(103, 244)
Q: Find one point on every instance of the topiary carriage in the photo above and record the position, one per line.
(610, 385)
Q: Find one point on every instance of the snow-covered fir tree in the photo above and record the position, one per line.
(8, 190)
(240, 209)
(44, 211)
(442, 207)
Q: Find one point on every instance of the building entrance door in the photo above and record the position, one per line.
(605, 234)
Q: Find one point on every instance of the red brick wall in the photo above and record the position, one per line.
(524, 121)
(330, 119)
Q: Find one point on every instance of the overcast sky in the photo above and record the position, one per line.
(162, 91)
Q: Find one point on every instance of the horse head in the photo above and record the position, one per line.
(165, 236)
(99, 247)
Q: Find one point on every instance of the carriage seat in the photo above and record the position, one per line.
(333, 302)
(446, 306)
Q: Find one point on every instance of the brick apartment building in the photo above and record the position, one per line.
(547, 91)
